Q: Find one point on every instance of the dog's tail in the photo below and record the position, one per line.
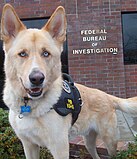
(128, 105)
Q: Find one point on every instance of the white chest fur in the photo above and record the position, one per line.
(41, 131)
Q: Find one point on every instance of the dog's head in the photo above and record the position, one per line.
(32, 56)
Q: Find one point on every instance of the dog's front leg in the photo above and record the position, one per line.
(60, 148)
(31, 150)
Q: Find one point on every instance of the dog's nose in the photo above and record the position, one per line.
(36, 77)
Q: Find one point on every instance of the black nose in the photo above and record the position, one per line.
(36, 78)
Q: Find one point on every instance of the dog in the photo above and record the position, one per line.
(34, 82)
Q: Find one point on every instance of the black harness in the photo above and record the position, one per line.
(70, 99)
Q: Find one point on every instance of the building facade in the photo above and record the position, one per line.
(99, 49)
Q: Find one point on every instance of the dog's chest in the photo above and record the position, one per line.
(38, 131)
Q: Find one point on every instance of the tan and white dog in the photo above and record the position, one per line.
(33, 69)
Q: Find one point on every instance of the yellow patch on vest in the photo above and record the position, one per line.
(70, 104)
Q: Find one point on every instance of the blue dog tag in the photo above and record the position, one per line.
(25, 109)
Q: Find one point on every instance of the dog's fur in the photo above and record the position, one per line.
(25, 52)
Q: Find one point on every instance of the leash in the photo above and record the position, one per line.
(128, 124)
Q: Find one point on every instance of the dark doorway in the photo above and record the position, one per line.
(2, 76)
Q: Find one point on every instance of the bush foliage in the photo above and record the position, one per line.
(10, 146)
(130, 153)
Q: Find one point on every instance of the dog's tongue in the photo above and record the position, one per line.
(35, 89)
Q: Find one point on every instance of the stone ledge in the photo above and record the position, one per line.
(80, 152)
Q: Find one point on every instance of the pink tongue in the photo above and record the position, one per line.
(35, 89)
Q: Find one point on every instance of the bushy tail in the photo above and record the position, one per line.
(128, 106)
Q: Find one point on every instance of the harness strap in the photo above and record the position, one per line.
(70, 99)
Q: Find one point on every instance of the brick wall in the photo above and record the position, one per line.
(105, 71)
(33, 8)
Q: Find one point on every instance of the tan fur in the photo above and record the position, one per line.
(44, 127)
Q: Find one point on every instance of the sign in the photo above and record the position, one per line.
(94, 37)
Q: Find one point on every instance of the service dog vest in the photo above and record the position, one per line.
(70, 99)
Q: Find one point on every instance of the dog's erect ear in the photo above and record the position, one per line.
(56, 25)
(10, 23)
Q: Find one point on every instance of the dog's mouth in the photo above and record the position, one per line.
(35, 92)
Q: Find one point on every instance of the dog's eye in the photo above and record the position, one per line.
(23, 54)
(46, 54)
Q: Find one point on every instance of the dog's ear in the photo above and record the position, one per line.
(56, 25)
(10, 23)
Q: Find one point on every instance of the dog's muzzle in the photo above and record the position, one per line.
(36, 79)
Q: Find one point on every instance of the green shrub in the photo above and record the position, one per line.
(10, 145)
(130, 153)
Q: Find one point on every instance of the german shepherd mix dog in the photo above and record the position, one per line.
(33, 71)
